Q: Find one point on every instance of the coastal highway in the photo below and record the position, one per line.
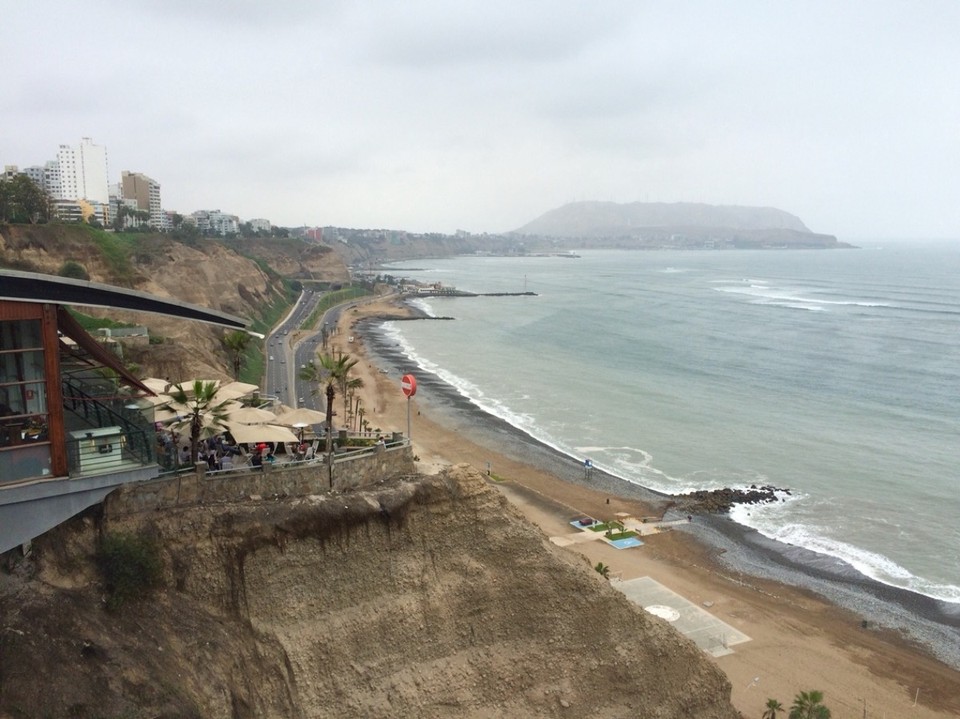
(288, 349)
(280, 366)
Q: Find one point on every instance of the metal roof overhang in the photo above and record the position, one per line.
(33, 287)
(72, 329)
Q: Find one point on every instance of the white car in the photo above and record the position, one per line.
(271, 358)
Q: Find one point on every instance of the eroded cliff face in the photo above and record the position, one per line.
(205, 272)
(423, 597)
(296, 258)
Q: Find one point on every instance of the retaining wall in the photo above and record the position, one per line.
(356, 471)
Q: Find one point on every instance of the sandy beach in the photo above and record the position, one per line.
(798, 640)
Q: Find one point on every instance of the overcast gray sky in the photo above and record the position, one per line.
(435, 116)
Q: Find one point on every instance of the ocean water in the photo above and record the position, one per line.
(834, 374)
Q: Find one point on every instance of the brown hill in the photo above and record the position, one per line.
(245, 281)
(424, 597)
(651, 225)
(612, 219)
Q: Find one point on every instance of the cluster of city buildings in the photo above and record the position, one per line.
(78, 184)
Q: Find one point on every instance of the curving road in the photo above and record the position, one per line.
(288, 348)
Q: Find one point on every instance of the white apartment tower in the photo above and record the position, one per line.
(82, 173)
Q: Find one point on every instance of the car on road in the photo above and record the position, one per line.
(271, 358)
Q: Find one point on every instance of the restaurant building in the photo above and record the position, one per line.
(72, 425)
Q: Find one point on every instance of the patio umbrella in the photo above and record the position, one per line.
(244, 387)
(261, 433)
(156, 401)
(302, 417)
(225, 393)
(173, 411)
(250, 415)
(165, 414)
(155, 384)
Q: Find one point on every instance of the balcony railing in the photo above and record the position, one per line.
(116, 435)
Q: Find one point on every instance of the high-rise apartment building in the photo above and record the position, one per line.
(81, 173)
(146, 191)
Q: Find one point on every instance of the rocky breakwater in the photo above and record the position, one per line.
(419, 597)
(720, 501)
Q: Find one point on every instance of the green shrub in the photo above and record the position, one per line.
(74, 270)
(131, 566)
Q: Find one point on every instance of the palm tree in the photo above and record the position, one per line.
(809, 705)
(203, 417)
(603, 570)
(773, 706)
(236, 343)
(348, 387)
(333, 371)
(614, 525)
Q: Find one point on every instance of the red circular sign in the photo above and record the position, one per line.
(409, 385)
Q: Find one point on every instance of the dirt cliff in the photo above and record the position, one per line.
(244, 281)
(421, 597)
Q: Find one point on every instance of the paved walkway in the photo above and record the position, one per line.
(707, 632)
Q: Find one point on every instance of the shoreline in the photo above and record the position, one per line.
(745, 549)
(714, 548)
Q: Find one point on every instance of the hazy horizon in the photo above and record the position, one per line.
(434, 117)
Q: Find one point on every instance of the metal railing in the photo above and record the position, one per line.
(243, 465)
(117, 435)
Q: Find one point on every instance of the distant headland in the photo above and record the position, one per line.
(680, 225)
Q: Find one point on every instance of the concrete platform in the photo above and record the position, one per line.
(707, 632)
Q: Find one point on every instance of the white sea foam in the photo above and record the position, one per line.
(644, 387)
(795, 299)
(773, 521)
(632, 464)
(424, 306)
(468, 390)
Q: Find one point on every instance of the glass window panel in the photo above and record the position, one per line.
(24, 461)
(20, 399)
(20, 334)
(21, 366)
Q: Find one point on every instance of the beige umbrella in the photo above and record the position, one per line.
(301, 417)
(165, 414)
(156, 400)
(250, 415)
(187, 386)
(225, 393)
(244, 387)
(155, 384)
(261, 433)
(174, 411)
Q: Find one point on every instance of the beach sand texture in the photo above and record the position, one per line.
(797, 640)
